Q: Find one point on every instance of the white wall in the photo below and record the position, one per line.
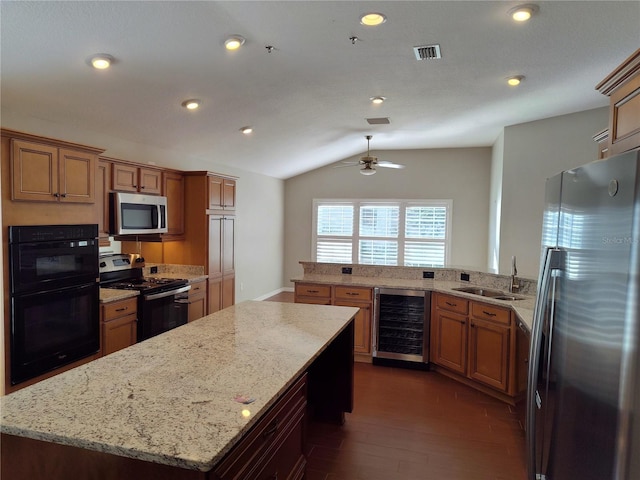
(459, 174)
(259, 200)
(495, 205)
(533, 152)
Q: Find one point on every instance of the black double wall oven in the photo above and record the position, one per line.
(55, 295)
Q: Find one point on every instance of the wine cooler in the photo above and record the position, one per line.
(401, 326)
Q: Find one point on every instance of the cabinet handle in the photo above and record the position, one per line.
(122, 309)
(451, 304)
(272, 430)
(313, 291)
(56, 195)
(490, 314)
(142, 187)
(473, 325)
(63, 195)
(354, 294)
(522, 327)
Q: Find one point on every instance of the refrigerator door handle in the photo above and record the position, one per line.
(552, 261)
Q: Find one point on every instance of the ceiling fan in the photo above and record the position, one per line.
(369, 163)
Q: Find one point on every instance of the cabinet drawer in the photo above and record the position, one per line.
(274, 429)
(452, 304)
(119, 309)
(491, 313)
(198, 288)
(313, 290)
(354, 293)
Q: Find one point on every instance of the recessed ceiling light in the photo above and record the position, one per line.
(372, 19)
(377, 100)
(246, 130)
(234, 42)
(522, 13)
(515, 80)
(192, 104)
(101, 61)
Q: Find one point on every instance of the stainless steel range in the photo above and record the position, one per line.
(162, 303)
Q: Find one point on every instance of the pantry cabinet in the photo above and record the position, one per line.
(119, 322)
(475, 341)
(209, 239)
(47, 173)
(222, 193)
(132, 178)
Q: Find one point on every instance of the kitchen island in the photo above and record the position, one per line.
(177, 405)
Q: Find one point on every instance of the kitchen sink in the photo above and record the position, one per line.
(487, 292)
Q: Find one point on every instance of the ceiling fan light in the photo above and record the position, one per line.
(367, 170)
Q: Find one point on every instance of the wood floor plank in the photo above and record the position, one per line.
(418, 425)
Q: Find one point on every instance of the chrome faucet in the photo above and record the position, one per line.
(515, 283)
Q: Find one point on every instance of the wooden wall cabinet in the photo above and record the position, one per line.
(222, 193)
(475, 341)
(131, 178)
(623, 87)
(119, 321)
(103, 187)
(46, 173)
(197, 300)
(173, 189)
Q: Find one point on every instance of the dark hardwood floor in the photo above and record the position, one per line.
(416, 425)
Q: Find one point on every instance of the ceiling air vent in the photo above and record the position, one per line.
(427, 52)
(378, 121)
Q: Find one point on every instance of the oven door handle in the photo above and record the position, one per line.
(155, 296)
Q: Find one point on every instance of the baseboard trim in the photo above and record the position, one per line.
(275, 292)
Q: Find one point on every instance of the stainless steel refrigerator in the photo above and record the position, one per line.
(583, 402)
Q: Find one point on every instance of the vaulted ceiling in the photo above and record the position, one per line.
(308, 97)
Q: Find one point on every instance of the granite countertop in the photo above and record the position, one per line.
(190, 277)
(108, 295)
(523, 308)
(170, 399)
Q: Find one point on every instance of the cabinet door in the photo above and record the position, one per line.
(197, 307)
(228, 245)
(229, 194)
(173, 189)
(125, 178)
(228, 290)
(35, 172)
(216, 188)
(119, 334)
(77, 172)
(103, 181)
(361, 326)
(150, 181)
(215, 245)
(489, 353)
(449, 340)
(214, 298)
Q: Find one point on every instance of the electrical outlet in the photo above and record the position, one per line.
(154, 269)
(427, 274)
(346, 270)
(464, 277)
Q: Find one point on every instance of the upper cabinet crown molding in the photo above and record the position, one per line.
(29, 137)
(621, 74)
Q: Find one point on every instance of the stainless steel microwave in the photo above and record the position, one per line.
(137, 214)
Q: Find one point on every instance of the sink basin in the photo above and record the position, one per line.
(487, 292)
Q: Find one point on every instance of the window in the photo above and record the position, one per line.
(411, 233)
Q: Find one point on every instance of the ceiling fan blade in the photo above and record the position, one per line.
(389, 165)
(346, 164)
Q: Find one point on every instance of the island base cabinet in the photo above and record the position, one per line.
(274, 447)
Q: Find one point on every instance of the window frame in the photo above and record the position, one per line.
(355, 238)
